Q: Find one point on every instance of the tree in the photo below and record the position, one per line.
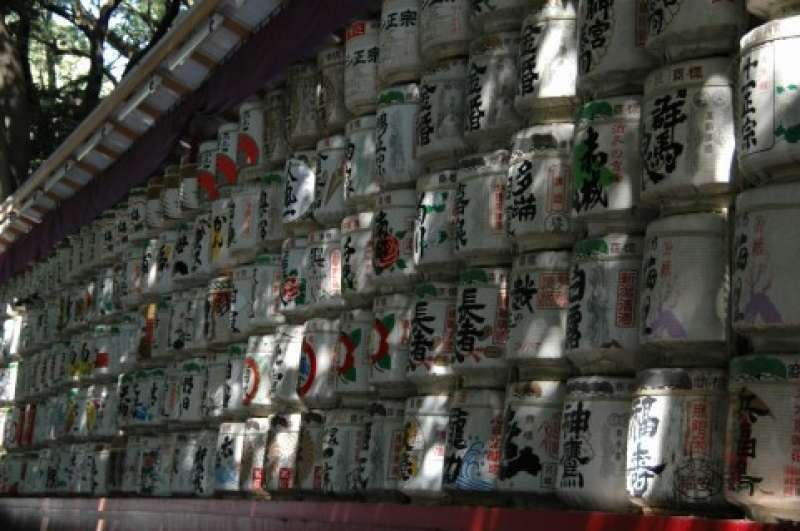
(58, 58)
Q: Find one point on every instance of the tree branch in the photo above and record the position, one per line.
(170, 14)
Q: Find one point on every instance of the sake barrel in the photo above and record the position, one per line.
(316, 378)
(243, 236)
(250, 144)
(434, 227)
(303, 128)
(539, 303)
(185, 446)
(243, 287)
(131, 465)
(299, 192)
(220, 292)
(286, 366)
(398, 42)
(764, 291)
(480, 234)
(295, 297)
(192, 196)
(200, 240)
(324, 259)
(540, 187)
(267, 296)
(343, 451)
(225, 392)
(603, 319)
(361, 66)
(206, 169)
(228, 464)
(771, 9)
(684, 296)
(256, 398)
(697, 29)
(389, 343)
(276, 145)
(156, 466)
(474, 442)
(329, 185)
(222, 231)
(612, 59)
(606, 163)
(482, 327)
(360, 185)
(309, 461)
(440, 120)
(445, 29)
(548, 64)
(498, 15)
(134, 286)
(353, 363)
(227, 171)
(592, 443)
(432, 345)
(271, 231)
(687, 131)
(203, 474)
(170, 196)
(531, 428)
(491, 88)
(254, 451)
(396, 163)
(280, 464)
(357, 270)
(106, 245)
(201, 320)
(333, 115)
(192, 389)
(393, 239)
(384, 446)
(677, 469)
(766, 127)
(170, 409)
(164, 261)
(759, 471)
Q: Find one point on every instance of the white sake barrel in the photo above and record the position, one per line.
(684, 292)
(603, 320)
(591, 454)
(280, 464)
(227, 171)
(431, 345)
(772, 9)
(286, 365)
(157, 466)
(200, 244)
(766, 127)
(164, 261)
(324, 273)
(762, 434)
(316, 378)
(393, 239)
(687, 133)
(440, 120)
(106, 355)
(445, 29)
(353, 362)
(106, 250)
(697, 29)
(223, 210)
(228, 464)
(357, 269)
(537, 197)
(309, 460)
(474, 441)
(396, 164)
(201, 320)
(329, 193)
(192, 388)
(192, 196)
(671, 468)
(104, 402)
(343, 450)
(482, 327)
(171, 403)
(225, 392)
(606, 163)
(491, 87)
(434, 228)
(361, 66)
(135, 276)
(220, 291)
(498, 15)
(243, 288)
(360, 184)
(611, 56)
(539, 301)
(333, 115)
(254, 450)
(88, 237)
(185, 446)
(398, 42)
(480, 232)
(384, 446)
(424, 446)
(251, 141)
(203, 474)
(180, 322)
(299, 192)
(243, 237)
(276, 145)
(170, 196)
(271, 231)
(764, 290)
(548, 63)
(295, 297)
(389, 343)
(206, 170)
(256, 398)
(531, 426)
(303, 127)
(131, 465)
(267, 296)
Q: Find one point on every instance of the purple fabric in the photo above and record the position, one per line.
(301, 26)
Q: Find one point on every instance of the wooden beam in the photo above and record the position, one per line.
(203, 59)
(88, 168)
(149, 110)
(127, 132)
(108, 151)
(173, 84)
(236, 27)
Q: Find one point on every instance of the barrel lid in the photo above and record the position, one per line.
(429, 405)
(387, 408)
(778, 195)
(397, 198)
(765, 368)
(230, 127)
(703, 222)
(396, 300)
(332, 142)
(360, 221)
(681, 379)
(323, 236)
(544, 260)
(483, 275)
(713, 71)
(208, 145)
(544, 137)
(623, 107)
(318, 325)
(609, 246)
(443, 179)
(779, 28)
(502, 43)
(368, 121)
(399, 94)
(357, 316)
(330, 55)
(600, 386)
(436, 290)
(536, 391)
(483, 398)
(340, 417)
(446, 70)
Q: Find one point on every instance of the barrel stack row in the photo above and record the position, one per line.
(490, 251)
